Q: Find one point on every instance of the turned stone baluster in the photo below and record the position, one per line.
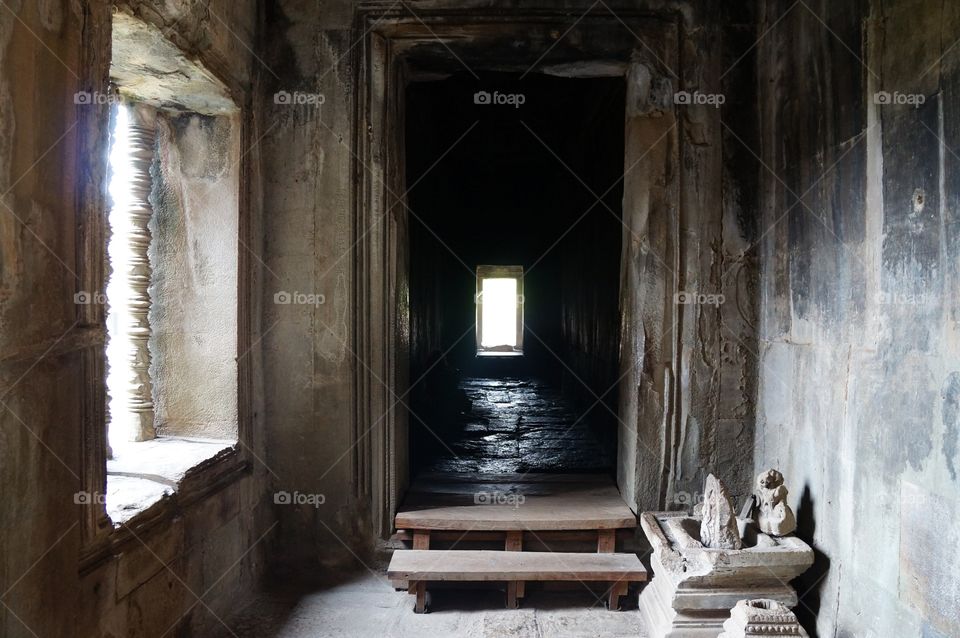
(140, 389)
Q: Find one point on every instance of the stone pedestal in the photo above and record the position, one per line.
(762, 618)
(694, 587)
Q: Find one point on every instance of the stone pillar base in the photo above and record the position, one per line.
(762, 618)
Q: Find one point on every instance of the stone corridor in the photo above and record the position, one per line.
(517, 425)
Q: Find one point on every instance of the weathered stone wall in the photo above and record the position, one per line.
(194, 261)
(309, 361)
(858, 349)
(47, 161)
(687, 317)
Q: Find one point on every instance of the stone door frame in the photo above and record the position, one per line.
(391, 42)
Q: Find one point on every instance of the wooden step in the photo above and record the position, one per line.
(484, 565)
(422, 566)
(513, 502)
(543, 536)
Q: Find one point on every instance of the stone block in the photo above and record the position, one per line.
(146, 555)
(210, 514)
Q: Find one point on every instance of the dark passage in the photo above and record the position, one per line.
(531, 178)
(517, 425)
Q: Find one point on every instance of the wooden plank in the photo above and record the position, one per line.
(514, 543)
(421, 591)
(513, 598)
(563, 506)
(623, 535)
(533, 518)
(617, 590)
(606, 541)
(481, 565)
(421, 539)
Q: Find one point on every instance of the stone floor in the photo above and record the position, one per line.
(514, 425)
(364, 604)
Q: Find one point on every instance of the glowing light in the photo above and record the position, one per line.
(499, 312)
(122, 430)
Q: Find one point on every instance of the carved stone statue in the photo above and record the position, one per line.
(772, 514)
(718, 527)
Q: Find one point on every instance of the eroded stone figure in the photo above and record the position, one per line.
(772, 514)
(718, 527)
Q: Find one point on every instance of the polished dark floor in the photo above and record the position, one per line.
(509, 425)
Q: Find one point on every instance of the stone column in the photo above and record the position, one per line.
(140, 389)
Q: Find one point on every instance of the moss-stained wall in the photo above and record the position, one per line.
(858, 341)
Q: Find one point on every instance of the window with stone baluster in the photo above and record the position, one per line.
(172, 283)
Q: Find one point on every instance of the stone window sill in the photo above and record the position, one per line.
(141, 474)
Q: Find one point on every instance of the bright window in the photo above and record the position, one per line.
(122, 427)
(499, 310)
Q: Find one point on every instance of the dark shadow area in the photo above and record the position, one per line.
(545, 597)
(522, 172)
(810, 584)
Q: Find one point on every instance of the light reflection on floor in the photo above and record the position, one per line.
(516, 425)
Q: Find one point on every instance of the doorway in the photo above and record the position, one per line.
(505, 171)
(637, 49)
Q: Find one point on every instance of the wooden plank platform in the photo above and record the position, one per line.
(511, 502)
(403, 535)
(483, 565)
(515, 568)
